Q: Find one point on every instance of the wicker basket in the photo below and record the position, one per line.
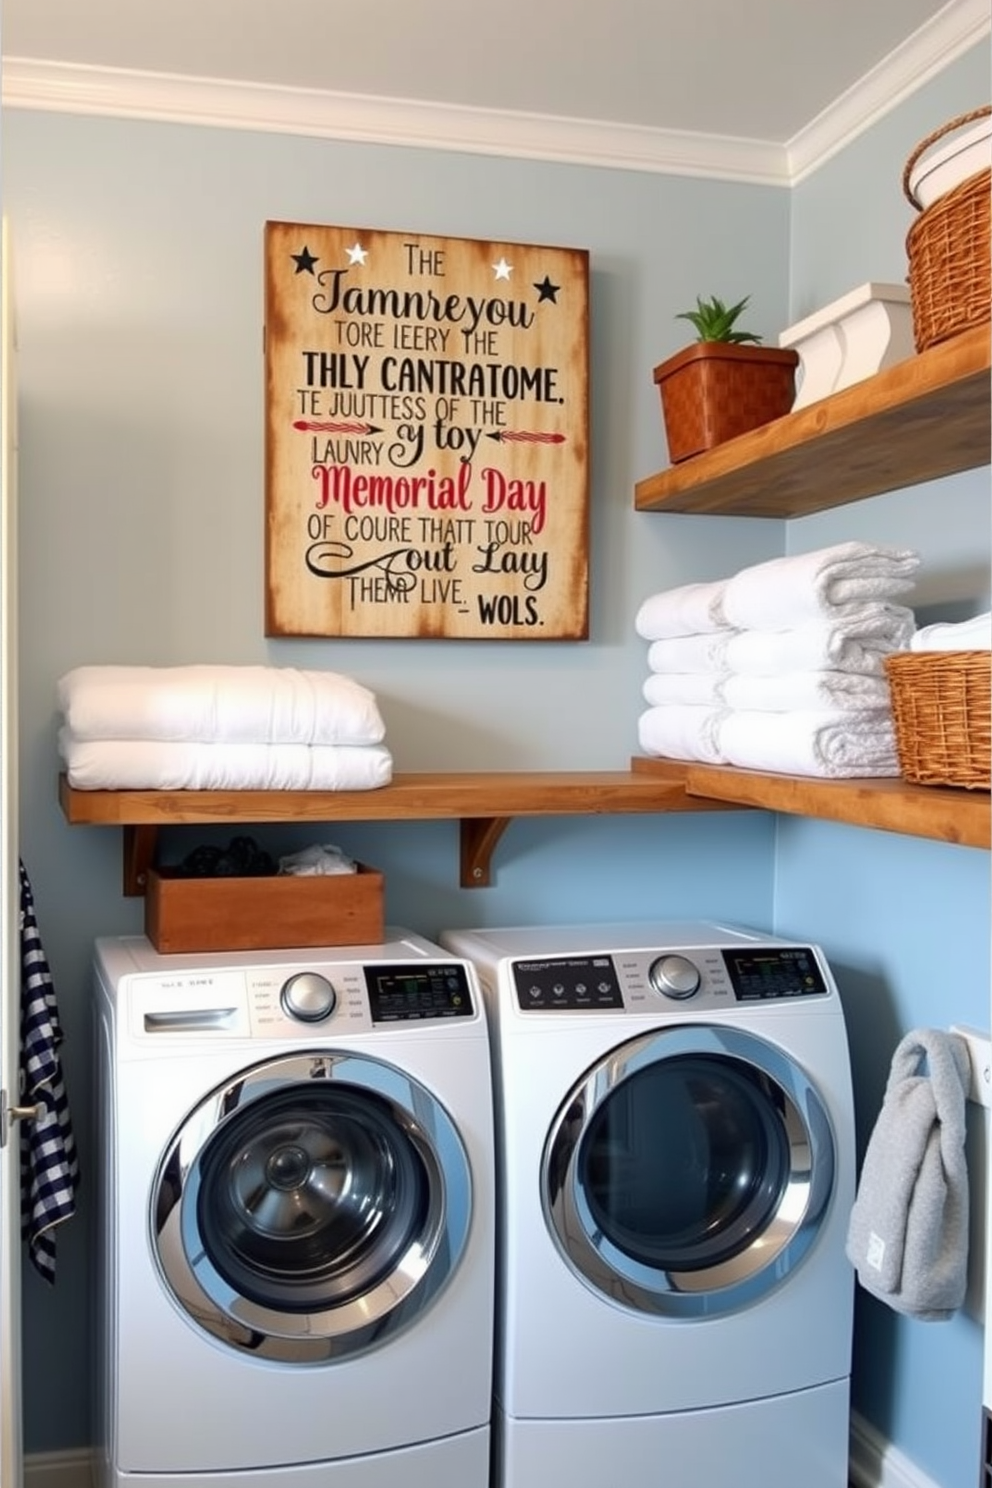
(949, 251)
(943, 719)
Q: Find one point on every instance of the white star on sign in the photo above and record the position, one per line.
(503, 270)
(358, 254)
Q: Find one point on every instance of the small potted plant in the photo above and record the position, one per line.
(724, 383)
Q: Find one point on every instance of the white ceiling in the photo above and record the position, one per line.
(744, 70)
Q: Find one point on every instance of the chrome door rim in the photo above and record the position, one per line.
(764, 1263)
(208, 1299)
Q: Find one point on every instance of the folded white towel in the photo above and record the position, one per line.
(684, 733)
(692, 609)
(819, 742)
(234, 704)
(149, 764)
(965, 635)
(661, 689)
(694, 653)
(794, 690)
(850, 643)
(784, 592)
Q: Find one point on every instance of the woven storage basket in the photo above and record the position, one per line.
(948, 248)
(943, 717)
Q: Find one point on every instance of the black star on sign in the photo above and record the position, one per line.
(547, 291)
(304, 261)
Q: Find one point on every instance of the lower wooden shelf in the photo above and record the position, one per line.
(946, 814)
(485, 802)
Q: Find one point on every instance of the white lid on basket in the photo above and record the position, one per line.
(951, 161)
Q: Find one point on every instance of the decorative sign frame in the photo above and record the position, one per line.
(427, 436)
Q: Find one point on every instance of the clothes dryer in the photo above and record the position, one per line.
(296, 1222)
(675, 1142)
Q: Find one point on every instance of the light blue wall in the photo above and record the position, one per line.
(138, 263)
(904, 922)
(137, 252)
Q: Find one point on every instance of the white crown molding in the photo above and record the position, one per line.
(117, 93)
(952, 32)
(58, 87)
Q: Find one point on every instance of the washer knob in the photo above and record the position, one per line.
(675, 976)
(308, 997)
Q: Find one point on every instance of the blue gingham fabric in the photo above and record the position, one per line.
(49, 1166)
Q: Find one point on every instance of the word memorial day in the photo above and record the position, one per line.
(427, 436)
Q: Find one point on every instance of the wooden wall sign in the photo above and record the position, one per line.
(427, 436)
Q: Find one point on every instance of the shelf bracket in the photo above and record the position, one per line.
(479, 836)
(139, 855)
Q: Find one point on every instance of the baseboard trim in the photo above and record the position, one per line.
(59, 1469)
(876, 1463)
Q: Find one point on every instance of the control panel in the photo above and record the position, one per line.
(636, 981)
(287, 1002)
(401, 994)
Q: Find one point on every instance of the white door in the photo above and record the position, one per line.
(11, 1467)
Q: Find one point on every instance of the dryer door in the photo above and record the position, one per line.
(689, 1171)
(311, 1207)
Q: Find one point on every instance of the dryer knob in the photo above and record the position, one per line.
(675, 976)
(308, 997)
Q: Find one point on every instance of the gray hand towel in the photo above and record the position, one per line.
(908, 1233)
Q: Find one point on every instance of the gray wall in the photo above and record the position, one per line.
(138, 277)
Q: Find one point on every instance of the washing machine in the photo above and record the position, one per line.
(296, 1223)
(676, 1170)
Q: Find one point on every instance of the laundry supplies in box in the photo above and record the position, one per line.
(237, 899)
(780, 667)
(220, 728)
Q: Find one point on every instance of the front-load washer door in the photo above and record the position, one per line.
(689, 1171)
(311, 1207)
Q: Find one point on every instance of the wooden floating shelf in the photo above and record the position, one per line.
(484, 802)
(944, 814)
(923, 418)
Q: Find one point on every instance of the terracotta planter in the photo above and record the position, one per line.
(714, 390)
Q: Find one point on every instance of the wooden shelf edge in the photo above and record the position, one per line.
(943, 814)
(766, 473)
(484, 803)
(444, 795)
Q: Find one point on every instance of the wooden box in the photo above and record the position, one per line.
(257, 914)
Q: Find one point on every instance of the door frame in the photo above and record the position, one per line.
(11, 1450)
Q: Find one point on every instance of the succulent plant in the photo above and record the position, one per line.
(714, 321)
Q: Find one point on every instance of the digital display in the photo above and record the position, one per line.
(399, 994)
(759, 975)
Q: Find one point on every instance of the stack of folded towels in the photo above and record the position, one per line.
(219, 728)
(780, 667)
